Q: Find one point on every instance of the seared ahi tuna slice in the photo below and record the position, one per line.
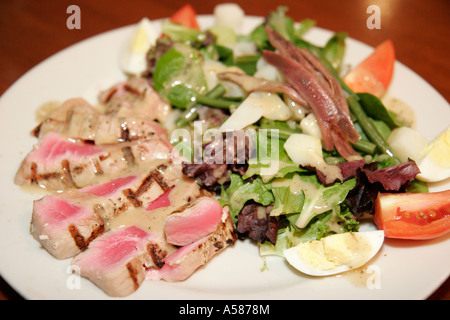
(181, 264)
(73, 111)
(192, 222)
(135, 96)
(76, 119)
(116, 261)
(66, 222)
(118, 129)
(57, 163)
(109, 188)
(64, 228)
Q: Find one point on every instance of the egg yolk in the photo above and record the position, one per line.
(439, 149)
(349, 249)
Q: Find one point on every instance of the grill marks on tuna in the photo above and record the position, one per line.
(57, 163)
(81, 242)
(113, 188)
(185, 260)
(153, 256)
(100, 203)
(132, 110)
(115, 262)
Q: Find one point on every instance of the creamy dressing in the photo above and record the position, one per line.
(273, 107)
(315, 201)
(403, 111)
(312, 192)
(43, 112)
(153, 221)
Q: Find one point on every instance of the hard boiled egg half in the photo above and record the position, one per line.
(433, 159)
(335, 253)
(134, 54)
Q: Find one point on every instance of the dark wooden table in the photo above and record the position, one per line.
(31, 31)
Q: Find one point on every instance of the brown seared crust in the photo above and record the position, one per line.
(133, 275)
(79, 239)
(157, 254)
(128, 156)
(154, 176)
(97, 232)
(145, 185)
(124, 132)
(34, 177)
(80, 242)
(98, 168)
(158, 176)
(132, 197)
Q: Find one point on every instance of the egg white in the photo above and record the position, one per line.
(133, 57)
(318, 264)
(433, 159)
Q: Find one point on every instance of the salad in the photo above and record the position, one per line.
(299, 146)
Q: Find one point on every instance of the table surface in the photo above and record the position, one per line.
(31, 31)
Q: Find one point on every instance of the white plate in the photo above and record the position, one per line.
(402, 270)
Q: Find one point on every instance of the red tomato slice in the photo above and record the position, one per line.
(374, 74)
(186, 16)
(416, 216)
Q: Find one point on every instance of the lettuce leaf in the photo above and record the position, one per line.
(179, 69)
(333, 221)
(316, 229)
(290, 236)
(317, 198)
(180, 33)
(285, 240)
(240, 191)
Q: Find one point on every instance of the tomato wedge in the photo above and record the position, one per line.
(374, 74)
(186, 16)
(416, 216)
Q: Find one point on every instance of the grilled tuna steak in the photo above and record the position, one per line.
(181, 264)
(135, 97)
(76, 119)
(115, 262)
(121, 205)
(194, 221)
(63, 227)
(65, 223)
(119, 273)
(57, 163)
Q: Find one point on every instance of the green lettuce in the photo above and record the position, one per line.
(180, 33)
(290, 236)
(285, 240)
(337, 220)
(240, 191)
(317, 198)
(179, 69)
